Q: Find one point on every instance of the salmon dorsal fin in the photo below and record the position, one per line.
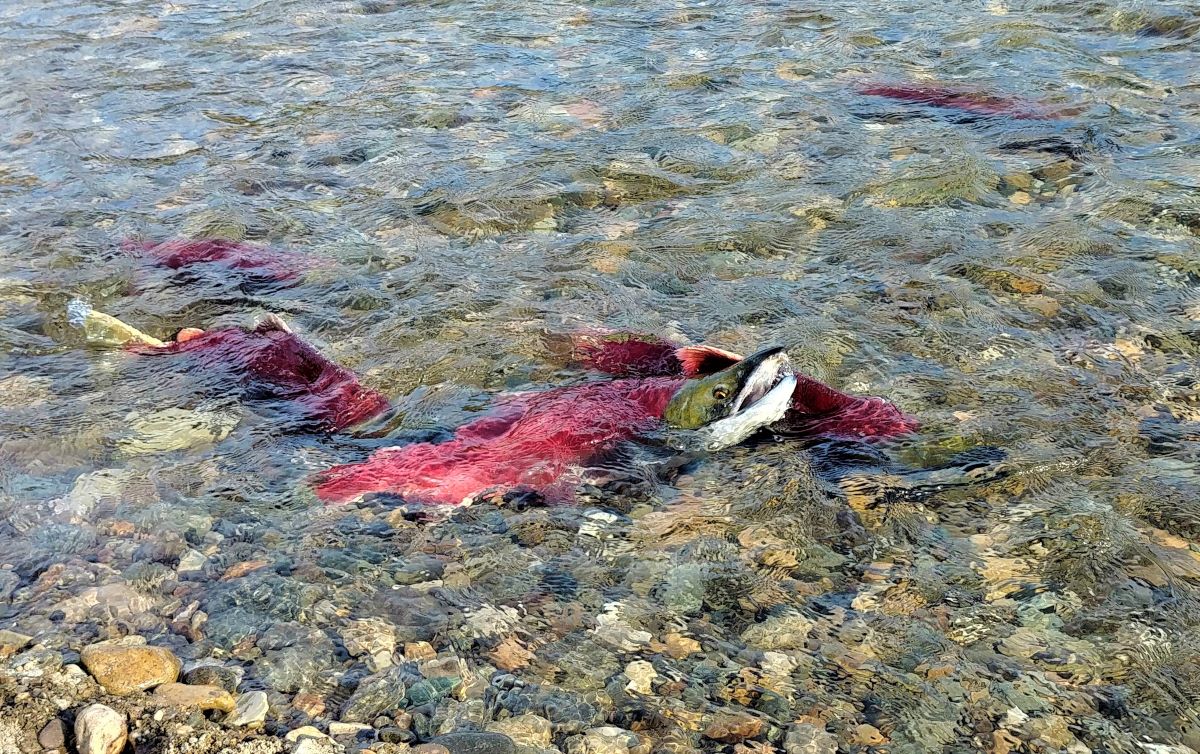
(697, 361)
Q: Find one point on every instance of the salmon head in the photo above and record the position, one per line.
(726, 407)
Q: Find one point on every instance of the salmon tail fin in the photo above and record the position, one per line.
(102, 329)
(272, 323)
(697, 361)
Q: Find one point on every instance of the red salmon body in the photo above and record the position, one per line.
(967, 101)
(531, 440)
(281, 266)
(274, 363)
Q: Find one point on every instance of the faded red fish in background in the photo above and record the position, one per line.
(276, 264)
(955, 98)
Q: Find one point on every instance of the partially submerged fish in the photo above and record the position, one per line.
(965, 100)
(266, 362)
(536, 441)
(815, 410)
(539, 441)
(251, 259)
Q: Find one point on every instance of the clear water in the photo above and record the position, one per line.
(477, 173)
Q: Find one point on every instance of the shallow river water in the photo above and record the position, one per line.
(468, 176)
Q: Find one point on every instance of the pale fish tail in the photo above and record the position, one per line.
(102, 329)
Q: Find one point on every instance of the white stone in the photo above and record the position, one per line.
(250, 712)
(347, 729)
(640, 674)
(100, 730)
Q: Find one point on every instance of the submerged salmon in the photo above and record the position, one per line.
(965, 100)
(246, 258)
(266, 362)
(540, 441)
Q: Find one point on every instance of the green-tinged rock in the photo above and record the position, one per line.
(935, 182)
(170, 429)
(376, 695)
(476, 743)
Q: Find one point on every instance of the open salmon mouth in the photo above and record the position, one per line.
(765, 396)
(768, 376)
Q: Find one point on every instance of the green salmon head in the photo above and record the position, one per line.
(729, 406)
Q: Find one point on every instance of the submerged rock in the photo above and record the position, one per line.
(294, 656)
(123, 669)
(100, 730)
(733, 727)
(476, 743)
(114, 601)
(227, 678)
(525, 730)
(171, 429)
(809, 739)
(376, 695)
(371, 638)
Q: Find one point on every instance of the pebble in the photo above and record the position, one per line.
(304, 731)
(733, 727)
(337, 729)
(125, 669)
(525, 730)
(53, 735)
(805, 738)
(469, 742)
(867, 735)
(416, 651)
(226, 677)
(640, 674)
(250, 711)
(171, 429)
(371, 638)
(1020, 197)
(607, 739)
(11, 642)
(192, 561)
(316, 746)
(115, 601)
(616, 633)
(779, 632)
(199, 697)
(376, 695)
(680, 647)
(100, 730)
(308, 703)
(430, 749)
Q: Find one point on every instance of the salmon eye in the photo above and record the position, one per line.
(720, 393)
